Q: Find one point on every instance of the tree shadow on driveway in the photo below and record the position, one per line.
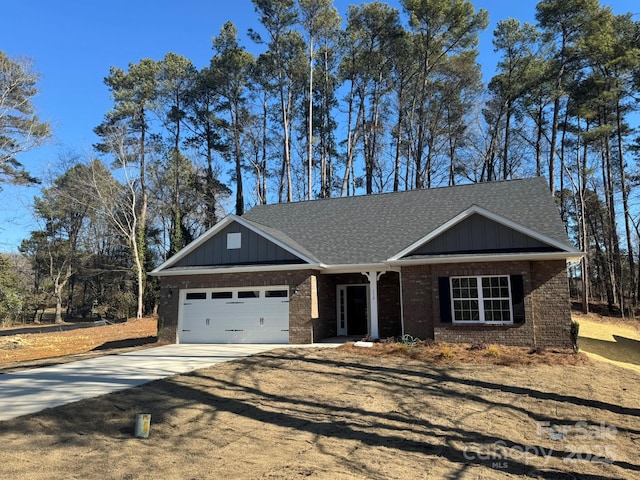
(352, 412)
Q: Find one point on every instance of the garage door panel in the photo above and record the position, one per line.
(254, 315)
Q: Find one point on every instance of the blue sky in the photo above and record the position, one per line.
(74, 43)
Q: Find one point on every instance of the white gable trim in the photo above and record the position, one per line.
(233, 269)
(489, 257)
(217, 228)
(476, 209)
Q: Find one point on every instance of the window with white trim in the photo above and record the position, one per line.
(481, 299)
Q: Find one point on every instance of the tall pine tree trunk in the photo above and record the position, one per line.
(625, 206)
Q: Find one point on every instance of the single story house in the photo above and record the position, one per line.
(468, 263)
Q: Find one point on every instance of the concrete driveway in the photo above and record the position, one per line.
(31, 391)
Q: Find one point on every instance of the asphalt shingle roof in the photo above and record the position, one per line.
(373, 228)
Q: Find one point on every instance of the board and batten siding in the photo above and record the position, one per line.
(478, 234)
(254, 248)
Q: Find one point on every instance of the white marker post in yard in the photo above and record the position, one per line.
(143, 425)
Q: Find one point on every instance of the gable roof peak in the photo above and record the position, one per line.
(373, 228)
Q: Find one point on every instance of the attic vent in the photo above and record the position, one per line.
(234, 240)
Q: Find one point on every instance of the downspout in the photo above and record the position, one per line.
(401, 302)
(532, 303)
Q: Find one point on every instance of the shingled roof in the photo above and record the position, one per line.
(374, 228)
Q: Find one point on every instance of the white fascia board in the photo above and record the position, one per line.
(195, 244)
(283, 245)
(473, 209)
(356, 268)
(215, 229)
(494, 257)
(241, 269)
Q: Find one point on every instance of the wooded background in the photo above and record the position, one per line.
(379, 100)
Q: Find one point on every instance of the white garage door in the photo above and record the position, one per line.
(246, 315)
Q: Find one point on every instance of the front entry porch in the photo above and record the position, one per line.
(353, 310)
(351, 305)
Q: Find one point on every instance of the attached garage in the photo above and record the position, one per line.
(378, 266)
(240, 315)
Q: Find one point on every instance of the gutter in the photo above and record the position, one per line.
(506, 257)
(241, 269)
(386, 266)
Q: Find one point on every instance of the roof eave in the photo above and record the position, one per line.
(193, 245)
(476, 209)
(389, 265)
(215, 229)
(236, 269)
(356, 268)
(493, 257)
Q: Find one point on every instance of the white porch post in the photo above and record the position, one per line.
(373, 278)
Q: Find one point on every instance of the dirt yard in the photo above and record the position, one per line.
(348, 413)
(39, 345)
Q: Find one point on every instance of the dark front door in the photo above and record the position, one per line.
(357, 314)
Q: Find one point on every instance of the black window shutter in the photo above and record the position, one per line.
(445, 299)
(517, 298)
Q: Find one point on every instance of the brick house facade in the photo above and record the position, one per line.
(546, 299)
(486, 263)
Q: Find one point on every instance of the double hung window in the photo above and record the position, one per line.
(481, 299)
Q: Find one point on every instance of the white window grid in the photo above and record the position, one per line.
(481, 299)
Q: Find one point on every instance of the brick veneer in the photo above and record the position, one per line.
(547, 310)
(389, 311)
(417, 300)
(550, 296)
(301, 323)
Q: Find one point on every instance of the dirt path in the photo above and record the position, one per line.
(612, 342)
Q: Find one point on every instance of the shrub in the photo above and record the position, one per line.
(575, 329)
(13, 293)
(446, 352)
(493, 351)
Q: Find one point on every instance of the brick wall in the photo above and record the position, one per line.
(417, 301)
(517, 334)
(301, 323)
(547, 309)
(327, 325)
(389, 312)
(552, 307)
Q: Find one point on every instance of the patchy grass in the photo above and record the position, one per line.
(610, 340)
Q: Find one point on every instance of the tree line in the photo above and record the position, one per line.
(381, 100)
